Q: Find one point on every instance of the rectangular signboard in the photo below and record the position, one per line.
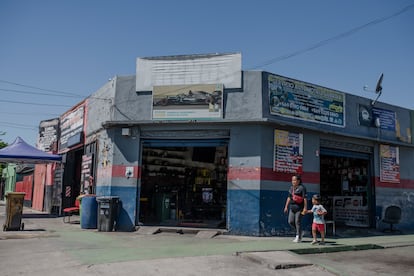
(48, 135)
(288, 151)
(389, 164)
(298, 100)
(189, 70)
(350, 211)
(187, 102)
(386, 118)
(71, 126)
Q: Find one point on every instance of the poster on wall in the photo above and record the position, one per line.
(303, 101)
(350, 211)
(86, 173)
(71, 128)
(389, 164)
(368, 116)
(187, 102)
(288, 151)
(387, 118)
(48, 135)
(365, 116)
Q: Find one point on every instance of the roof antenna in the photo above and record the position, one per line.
(378, 89)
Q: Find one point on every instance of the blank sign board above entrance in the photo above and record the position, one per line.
(189, 69)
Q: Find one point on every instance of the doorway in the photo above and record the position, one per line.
(184, 186)
(71, 181)
(346, 188)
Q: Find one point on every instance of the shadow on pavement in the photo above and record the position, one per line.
(33, 215)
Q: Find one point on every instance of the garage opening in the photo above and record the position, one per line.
(345, 187)
(184, 184)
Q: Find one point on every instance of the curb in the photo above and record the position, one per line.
(275, 259)
(340, 248)
(397, 244)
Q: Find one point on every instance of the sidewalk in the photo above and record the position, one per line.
(92, 247)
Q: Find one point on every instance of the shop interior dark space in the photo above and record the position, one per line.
(71, 177)
(345, 190)
(184, 186)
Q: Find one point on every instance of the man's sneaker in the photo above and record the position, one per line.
(302, 234)
(322, 243)
(314, 242)
(297, 239)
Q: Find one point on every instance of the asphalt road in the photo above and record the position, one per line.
(50, 255)
(47, 246)
(389, 261)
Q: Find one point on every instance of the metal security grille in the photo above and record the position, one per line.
(338, 145)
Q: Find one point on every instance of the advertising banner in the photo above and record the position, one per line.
(71, 128)
(386, 118)
(48, 135)
(368, 115)
(86, 173)
(288, 151)
(299, 100)
(187, 102)
(389, 164)
(350, 211)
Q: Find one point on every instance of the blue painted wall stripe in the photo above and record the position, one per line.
(127, 209)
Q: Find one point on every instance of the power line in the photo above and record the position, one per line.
(38, 93)
(264, 64)
(334, 38)
(29, 113)
(42, 104)
(43, 89)
(65, 94)
(14, 125)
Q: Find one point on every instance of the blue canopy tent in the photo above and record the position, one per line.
(21, 152)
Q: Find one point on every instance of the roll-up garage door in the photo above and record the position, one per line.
(344, 153)
(185, 142)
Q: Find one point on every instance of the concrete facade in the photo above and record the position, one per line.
(256, 193)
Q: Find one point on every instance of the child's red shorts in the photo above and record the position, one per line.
(318, 226)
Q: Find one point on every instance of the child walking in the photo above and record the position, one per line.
(318, 224)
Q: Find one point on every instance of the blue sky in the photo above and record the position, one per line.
(53, 54)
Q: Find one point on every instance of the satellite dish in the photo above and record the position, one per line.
(378, 88)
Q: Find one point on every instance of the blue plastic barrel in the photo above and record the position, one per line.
(89, 211)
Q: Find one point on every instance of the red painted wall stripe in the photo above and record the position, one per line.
(257, 173)
(119, 171)
(404, 184)
(244, 173)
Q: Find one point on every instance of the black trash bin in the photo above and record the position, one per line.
(107, 212)
(14, 211)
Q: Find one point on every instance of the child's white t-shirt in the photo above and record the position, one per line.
(319, 219)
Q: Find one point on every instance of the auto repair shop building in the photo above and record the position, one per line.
(194, 141)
